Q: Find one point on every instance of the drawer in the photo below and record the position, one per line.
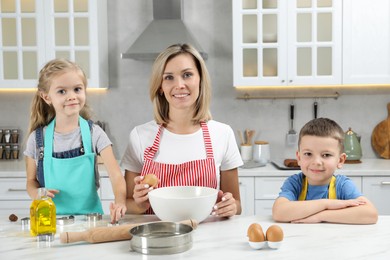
(264, 207)
(268, 187)
(13, 189)
(20, 208)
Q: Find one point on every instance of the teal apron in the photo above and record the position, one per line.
(73, 177)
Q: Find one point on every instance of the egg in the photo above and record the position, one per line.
(274, 236)
(274, 233)
(151, 180)
(255, 233)
(256, 236)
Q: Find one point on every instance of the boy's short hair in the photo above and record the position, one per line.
(323, 127)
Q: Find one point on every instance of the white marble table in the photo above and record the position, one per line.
(215, 239)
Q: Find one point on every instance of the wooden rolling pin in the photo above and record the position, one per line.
(108, 234)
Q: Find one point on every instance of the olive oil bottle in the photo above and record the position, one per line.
(43, 215)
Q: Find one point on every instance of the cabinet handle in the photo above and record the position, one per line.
(13, 190)
(283, 80)
(290, 81)
(385, 182)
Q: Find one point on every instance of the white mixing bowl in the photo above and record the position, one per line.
(183, 202)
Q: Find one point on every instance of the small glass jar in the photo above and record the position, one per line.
(15, 152)
(7, 136)
(7, 152)
(14, 136)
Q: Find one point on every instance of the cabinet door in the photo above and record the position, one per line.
(314, 42)
(21, 43)
(286, 42)
(34, 32)
(259, 42)
(366, 42)
(377, 190)
(247, 195)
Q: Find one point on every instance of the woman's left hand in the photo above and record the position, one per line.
(226, 205)
(117, 211)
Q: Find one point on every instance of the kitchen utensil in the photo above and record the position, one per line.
(352, 146)
(177, 203)
(315, 108)
(249, 135)
(108, 234)
(161, 238)
(292, 136)
(65, 220)
(241, 137)
(380, 138)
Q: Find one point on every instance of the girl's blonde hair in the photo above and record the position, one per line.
(160, 104)
(41, 112)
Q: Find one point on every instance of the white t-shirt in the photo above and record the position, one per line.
(177, 148)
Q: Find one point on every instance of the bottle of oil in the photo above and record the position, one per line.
(43, 215)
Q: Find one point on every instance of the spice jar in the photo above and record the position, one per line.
(14, 136)
(1, 151)
(15, 152)
(7, 136)
(8, 152)
(1, 135)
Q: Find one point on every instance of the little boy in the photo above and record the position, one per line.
(316, 194)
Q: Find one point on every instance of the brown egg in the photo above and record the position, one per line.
(274, 234)
(255, 233)
(150, 179)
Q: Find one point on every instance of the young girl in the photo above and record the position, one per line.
(62, 145)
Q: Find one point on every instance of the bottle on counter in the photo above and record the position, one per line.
(43, 216)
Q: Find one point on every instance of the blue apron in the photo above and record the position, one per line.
(73, 177)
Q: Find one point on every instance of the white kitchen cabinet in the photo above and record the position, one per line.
(247, 195)
(366, 42)
(14, 198)
(280, 42)
(34, 32)
(377, 190)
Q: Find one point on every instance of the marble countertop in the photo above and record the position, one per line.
(214, 239)
(368, 167)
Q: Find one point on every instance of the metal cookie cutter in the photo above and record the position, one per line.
(65, 220)
(93, 217)
(25, 223)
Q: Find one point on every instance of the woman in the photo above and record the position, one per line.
(182, 146)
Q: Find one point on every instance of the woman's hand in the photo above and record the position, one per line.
(140, 193)
(117, 211)
(226, 205)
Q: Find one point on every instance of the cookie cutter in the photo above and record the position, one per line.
(65, 220)
(25, 223)
(93, 217)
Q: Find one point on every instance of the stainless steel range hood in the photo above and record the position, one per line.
(167, 28)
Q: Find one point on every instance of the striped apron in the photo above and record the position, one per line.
(193, 173)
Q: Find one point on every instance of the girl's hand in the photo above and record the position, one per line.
(226, 205)
(117, 211)
(51, 193)
(140, 193)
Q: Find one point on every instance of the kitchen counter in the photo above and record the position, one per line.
(369, 167)
(215, 239)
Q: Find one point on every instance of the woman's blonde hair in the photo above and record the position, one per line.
(41, 112)
(160, 104)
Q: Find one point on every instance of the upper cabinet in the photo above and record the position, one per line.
(280, 42)
(34, 32)
(366, 42)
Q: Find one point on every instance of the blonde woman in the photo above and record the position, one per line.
(182, 145)
(63, 143)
